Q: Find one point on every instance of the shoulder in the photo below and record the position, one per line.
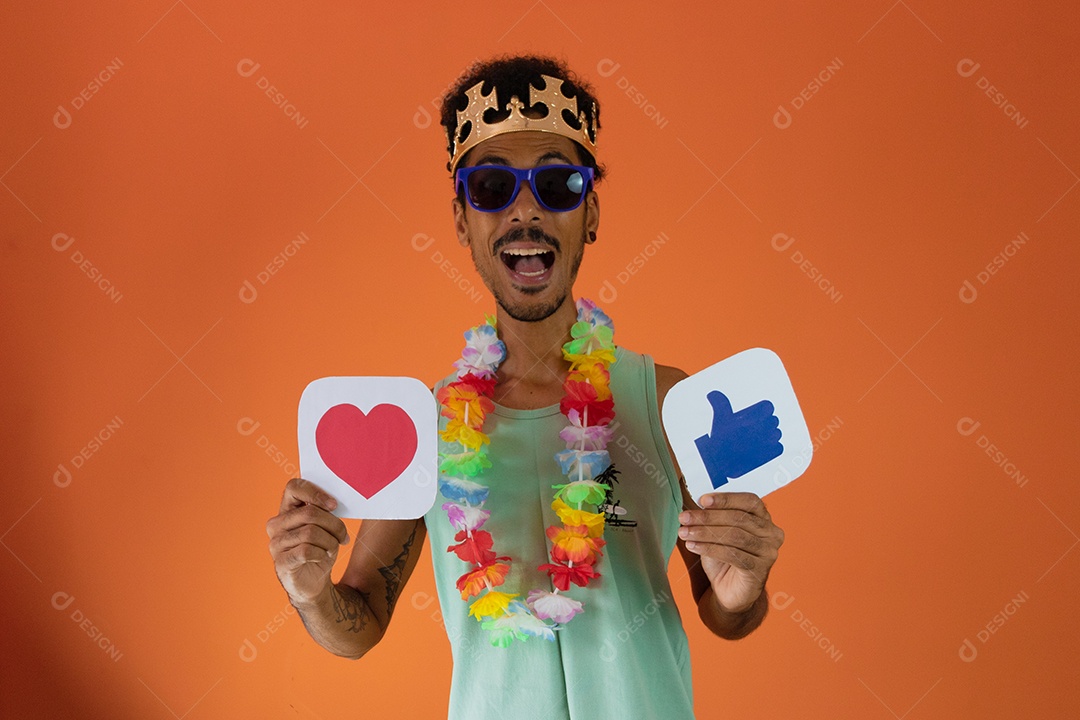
(666, 377)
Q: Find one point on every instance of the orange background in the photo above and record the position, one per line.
(899, 180)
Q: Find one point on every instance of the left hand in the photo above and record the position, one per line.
(738, 544)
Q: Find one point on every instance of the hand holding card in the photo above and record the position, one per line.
(304, 540)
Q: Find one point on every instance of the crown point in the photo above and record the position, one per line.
(555, 121)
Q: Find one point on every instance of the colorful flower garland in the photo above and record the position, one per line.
(575, 547)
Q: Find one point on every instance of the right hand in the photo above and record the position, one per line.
(304, 540)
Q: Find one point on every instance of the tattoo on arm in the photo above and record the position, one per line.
(350, 606)
(392, 572)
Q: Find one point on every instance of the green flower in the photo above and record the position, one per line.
(582, 491)
(502, 636)
(588, 338)
(467, 464)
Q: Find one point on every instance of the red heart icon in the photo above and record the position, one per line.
(367, 451)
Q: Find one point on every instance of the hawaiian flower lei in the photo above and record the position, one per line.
(575, 547)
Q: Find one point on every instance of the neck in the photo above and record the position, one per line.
(534, 349)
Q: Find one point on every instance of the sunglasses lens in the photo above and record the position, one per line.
(560, 188)
(491, 188)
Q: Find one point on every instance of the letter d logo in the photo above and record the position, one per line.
(608, 293)
(421, 118)
(247, 67)
(246, 426)
(62, 476)
(966, 426)
(421, 242)
(968, 293)
(248, 651)
(62, 600)
(607, 67)
(61, 242)
(781, 604)
(783, 238)
(967, 67)
(62, 118)
(248, 293)
(782, 118)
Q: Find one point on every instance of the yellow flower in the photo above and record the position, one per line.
(493, 604)
(456, 399)
(602, 355)
(593, 522)
(457, 431)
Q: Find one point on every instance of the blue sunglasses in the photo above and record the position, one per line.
(491, 188)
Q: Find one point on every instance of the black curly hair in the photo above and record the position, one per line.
(512, 75)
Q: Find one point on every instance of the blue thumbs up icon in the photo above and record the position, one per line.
(739, 441)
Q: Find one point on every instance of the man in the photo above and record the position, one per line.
(626, 655)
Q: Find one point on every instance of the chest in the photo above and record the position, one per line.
(529, 394)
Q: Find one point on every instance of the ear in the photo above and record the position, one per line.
(461, 225)
(592, 212)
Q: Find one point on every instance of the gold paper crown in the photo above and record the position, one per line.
(467, 137)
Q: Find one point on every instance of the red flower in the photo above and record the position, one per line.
(581, 395)
(490, 575)
(482, 386)
(573, 543)
(562, 576)
(476, 550)
(459, 395)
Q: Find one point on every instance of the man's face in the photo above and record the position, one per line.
(527, 255)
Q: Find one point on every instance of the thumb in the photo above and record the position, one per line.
(721, 408)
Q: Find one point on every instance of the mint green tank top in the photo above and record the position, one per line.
(626, 656)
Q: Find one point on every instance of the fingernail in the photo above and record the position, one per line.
(347, 538)
(684, 518)
(683, 532)
(706, 500)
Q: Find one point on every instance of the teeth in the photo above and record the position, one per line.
(532, 274)
(525, 251)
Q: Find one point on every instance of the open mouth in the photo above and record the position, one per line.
(528, 264)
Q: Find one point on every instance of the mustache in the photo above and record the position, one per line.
(534, 234)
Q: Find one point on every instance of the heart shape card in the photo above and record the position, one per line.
(371, 443)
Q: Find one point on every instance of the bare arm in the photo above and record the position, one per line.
(721, 622)
(350, 617)
(729, 623)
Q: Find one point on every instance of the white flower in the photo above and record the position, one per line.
(553, 606)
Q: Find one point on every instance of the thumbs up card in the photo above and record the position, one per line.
(737, 427)
(371, 443)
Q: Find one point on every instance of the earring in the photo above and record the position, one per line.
(592, 236)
